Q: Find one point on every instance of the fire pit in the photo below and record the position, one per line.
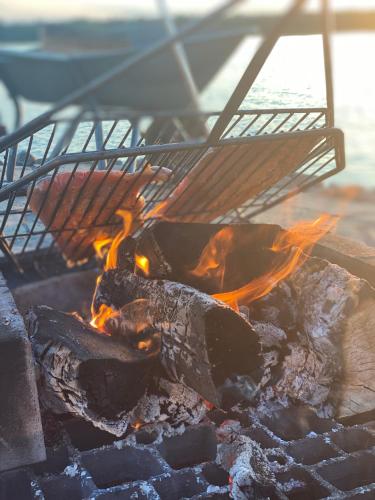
(179, 395)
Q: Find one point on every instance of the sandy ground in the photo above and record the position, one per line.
(357, 212)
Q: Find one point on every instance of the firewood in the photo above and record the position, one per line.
(248, 257)
(87, 373)
(203, 341)
(329, 359)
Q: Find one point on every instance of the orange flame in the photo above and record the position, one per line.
(142, 262)
(114, 243)
(127, 219)
(212, 260)
(157, 211)
(296, 244)
(100, 246)
(105, 312)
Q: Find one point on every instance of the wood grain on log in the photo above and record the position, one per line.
(203, 341)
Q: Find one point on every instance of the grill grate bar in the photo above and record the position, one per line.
(24, 230)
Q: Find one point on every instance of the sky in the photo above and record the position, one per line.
(34, 10)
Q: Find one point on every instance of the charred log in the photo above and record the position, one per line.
(203, 341)
(174, 249)
(328, 359)
(86, 373)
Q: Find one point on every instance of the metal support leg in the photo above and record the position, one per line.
(11, 163)
(134, 142)
(99, 143)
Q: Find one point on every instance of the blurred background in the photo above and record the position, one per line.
(293, 76)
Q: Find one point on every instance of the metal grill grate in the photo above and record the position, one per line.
(263, 136)
(311, 457)
(226, 167)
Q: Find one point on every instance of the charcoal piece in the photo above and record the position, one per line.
(355, 256)
(173, 250)
(171, 403)
(203, 341)
(87, 373)
(247, 464)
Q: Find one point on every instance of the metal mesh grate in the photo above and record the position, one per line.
(61, 146)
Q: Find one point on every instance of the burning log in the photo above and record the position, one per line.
(328, 364)
(203, 341)
(210, 257)
(86, 373)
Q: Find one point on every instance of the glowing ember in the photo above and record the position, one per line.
(296, 244)
(99, 320)
(142, 262)
(145, 345)
(212, 260)
(137, 425)
(208, 405)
